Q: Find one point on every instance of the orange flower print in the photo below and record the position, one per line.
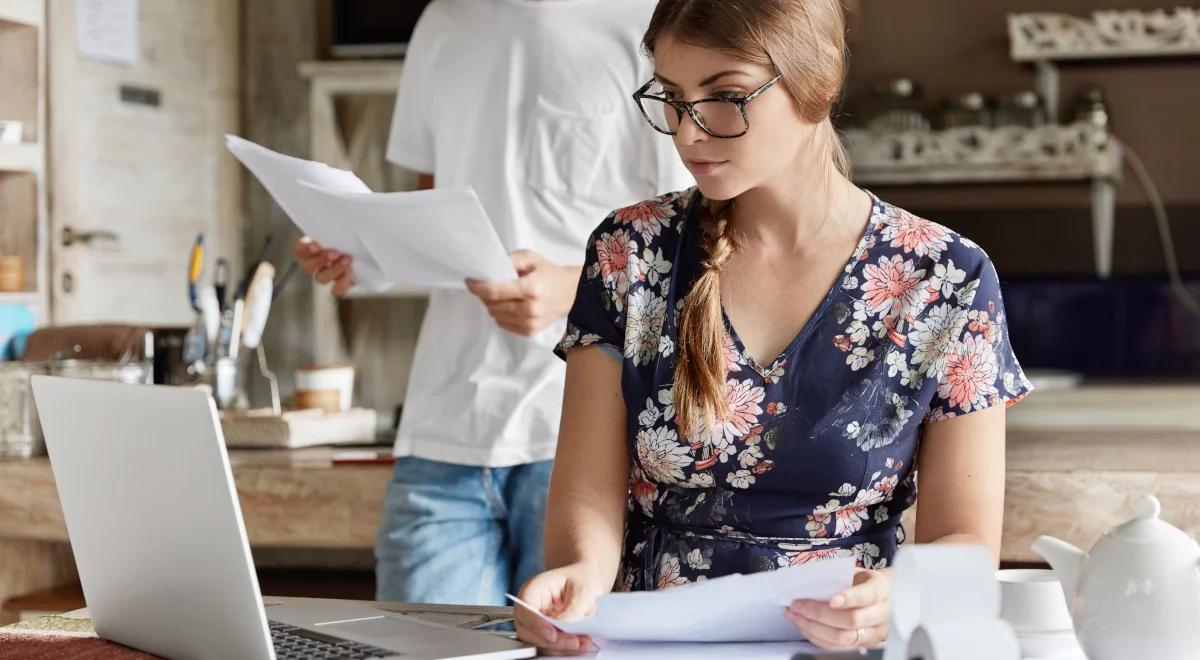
(970, 375)
(613, 251)
(914, 234)
(647, 218)
(893, 285)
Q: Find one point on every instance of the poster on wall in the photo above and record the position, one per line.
(107, 30)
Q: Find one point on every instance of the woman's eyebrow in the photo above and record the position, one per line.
(707, 81)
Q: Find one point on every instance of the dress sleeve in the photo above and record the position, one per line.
(598, 313)
(977, 368)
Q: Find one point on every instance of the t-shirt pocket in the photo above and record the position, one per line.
(565, 149)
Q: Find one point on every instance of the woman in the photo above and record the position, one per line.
(756, 367)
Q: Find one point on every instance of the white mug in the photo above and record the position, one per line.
(1032, 601)
(320, 378)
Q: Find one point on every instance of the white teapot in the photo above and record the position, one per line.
(1137, 593)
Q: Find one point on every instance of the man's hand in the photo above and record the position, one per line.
(325, 265)
(542, 293)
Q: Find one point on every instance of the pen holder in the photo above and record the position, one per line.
(227, 384)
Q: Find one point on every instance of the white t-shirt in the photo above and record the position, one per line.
(529, 102)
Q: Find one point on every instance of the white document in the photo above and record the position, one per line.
(423, 239)
(107, 30)
(696, 651)
(734, 608)
(427, 238)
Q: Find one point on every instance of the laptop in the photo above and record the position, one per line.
(160, 544)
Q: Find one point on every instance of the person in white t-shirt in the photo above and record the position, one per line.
(527, 101)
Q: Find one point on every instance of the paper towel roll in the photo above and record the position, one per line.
(974, 638)
(937, 583)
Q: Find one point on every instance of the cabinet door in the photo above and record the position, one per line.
(138, 163)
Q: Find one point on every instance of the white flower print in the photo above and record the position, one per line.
(966, 295)
(701, 480)
(665, 346)
(750, 456)
(652, 266)
(858, 332)
(934, 338)
(668, 573)
(643, 325)
(661, 455)
(859, 358)
(649, 416)
(868, 555)
(666, 399)
(741, 479)
(698, 560)
(945, 277)
(850, 283)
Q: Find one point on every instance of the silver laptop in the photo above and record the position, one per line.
(163, 558)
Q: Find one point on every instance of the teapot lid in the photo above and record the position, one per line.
(1147, 527)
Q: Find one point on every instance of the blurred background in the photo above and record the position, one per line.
(1062, 141)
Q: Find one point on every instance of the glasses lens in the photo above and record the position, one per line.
(722, 118)
(661, 114)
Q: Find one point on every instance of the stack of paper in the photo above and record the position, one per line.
(423, 239)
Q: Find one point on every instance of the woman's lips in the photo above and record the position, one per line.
(704, 167)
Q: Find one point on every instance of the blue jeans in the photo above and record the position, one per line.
(458, 534)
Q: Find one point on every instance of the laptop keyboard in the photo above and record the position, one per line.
(293, 643)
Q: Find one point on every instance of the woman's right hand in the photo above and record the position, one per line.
(325, 265)
(568, 593)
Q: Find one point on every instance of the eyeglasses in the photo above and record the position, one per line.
(720, 117)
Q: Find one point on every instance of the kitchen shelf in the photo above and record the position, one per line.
(1105, 35)
(24, 12)
(1076, 152)
(23, 157)
(1010, 154)
(20, 298)
(398, 292)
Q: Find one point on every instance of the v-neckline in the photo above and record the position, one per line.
(809, 324)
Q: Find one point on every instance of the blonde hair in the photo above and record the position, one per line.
(805, 42)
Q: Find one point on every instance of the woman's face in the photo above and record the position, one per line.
(726, 168)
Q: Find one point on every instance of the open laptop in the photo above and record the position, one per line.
(161, 548)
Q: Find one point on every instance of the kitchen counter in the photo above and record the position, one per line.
(1075, 460)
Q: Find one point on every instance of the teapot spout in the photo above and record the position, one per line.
(1066, 560)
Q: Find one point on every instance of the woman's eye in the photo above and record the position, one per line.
(727, 95)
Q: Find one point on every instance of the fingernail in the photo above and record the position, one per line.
(837, 601)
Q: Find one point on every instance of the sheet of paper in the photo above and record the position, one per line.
(690, 651)
(107, 30)
(429, 238)
(734, 608)
(284, 176)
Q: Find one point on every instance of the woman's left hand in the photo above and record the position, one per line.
(856, 618)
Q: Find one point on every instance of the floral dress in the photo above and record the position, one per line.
(817, 457)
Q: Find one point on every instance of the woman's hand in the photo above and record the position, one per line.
(324, 265)
(856, 618)
(542, 293)
(568, 593)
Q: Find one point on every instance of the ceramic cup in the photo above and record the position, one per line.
(315, 383)
(1032, 601)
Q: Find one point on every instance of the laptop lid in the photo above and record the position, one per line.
(153, 517)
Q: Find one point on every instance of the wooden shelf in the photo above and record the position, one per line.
(1046, 36)
(23, 12)
(398, 292)
(20, 298)
(23, 157)
(1075, 152)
